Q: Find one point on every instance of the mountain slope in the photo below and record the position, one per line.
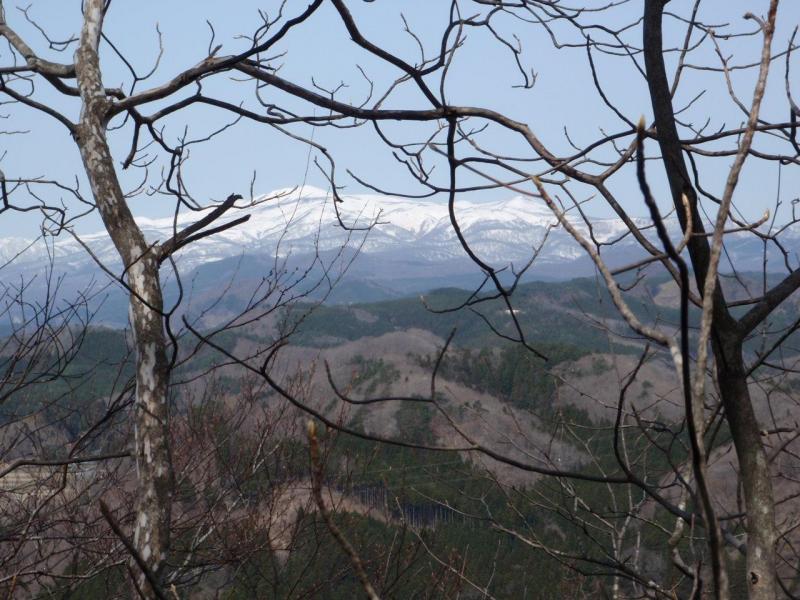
(411, 248)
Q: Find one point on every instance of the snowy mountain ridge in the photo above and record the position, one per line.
(294, 221)
(412, 246)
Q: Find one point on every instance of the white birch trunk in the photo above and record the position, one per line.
(151, 414)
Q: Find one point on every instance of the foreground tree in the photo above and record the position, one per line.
(102, 110)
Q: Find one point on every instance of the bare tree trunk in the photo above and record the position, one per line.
(754, 471)
(153, 464)
(726, 332)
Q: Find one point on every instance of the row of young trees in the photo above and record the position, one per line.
(726, 349)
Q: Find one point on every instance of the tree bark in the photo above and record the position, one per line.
(151, 414)
(754, 475)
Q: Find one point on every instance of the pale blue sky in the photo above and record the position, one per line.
(482, 75)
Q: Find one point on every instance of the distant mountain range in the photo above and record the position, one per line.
(412, 248)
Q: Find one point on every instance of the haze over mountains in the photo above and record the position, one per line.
(413, 247)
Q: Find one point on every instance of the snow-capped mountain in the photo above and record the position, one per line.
(411, 247)
(298, 222)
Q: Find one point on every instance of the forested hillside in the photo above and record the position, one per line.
(410, 513)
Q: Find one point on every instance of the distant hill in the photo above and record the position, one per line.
(411, 249)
